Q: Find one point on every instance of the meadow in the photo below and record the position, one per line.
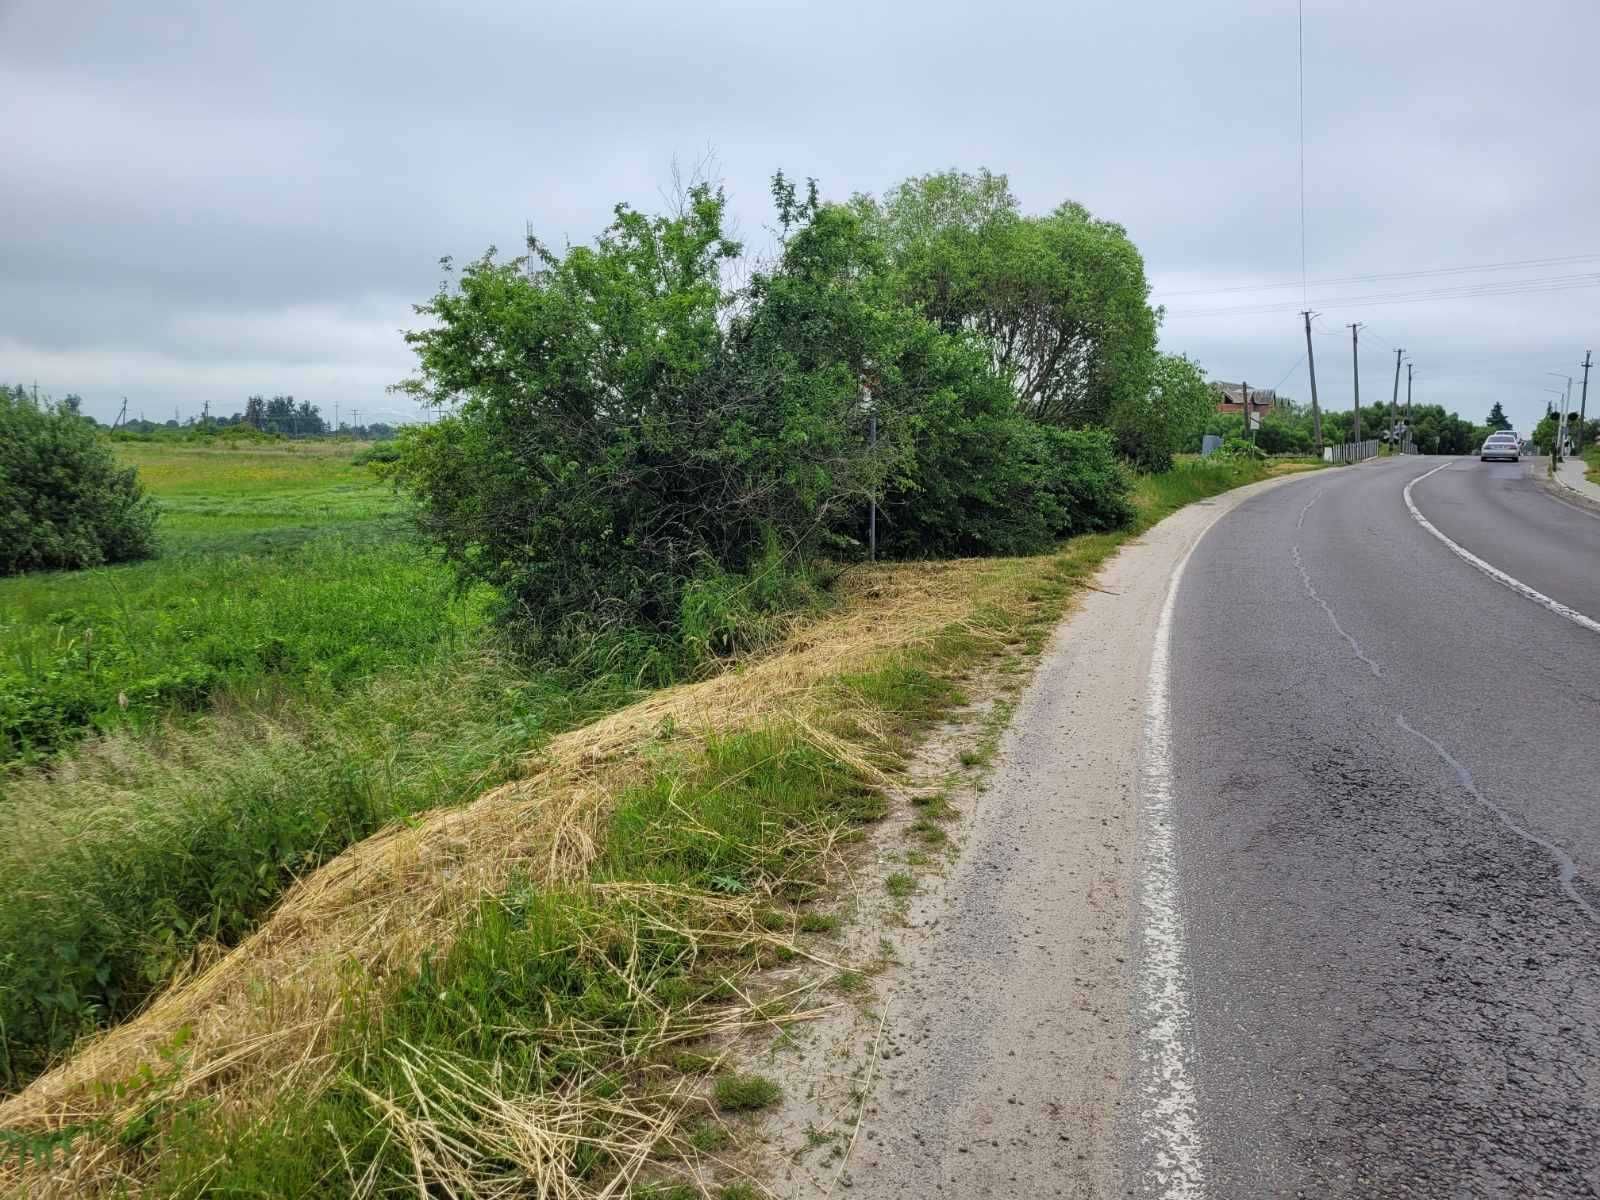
(181, 738)
(280, 565)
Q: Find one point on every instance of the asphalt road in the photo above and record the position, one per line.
(1385, 772)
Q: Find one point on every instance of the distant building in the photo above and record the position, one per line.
(1231, 399)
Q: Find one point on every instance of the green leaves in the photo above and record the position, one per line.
(65, 503)
(1060, 301)
(629, 440)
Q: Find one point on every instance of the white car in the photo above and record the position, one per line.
(1504, 446)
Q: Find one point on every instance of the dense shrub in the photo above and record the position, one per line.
(64, 501)
(1153, 425)
(633, 452)
(378, 452)
(993, 482)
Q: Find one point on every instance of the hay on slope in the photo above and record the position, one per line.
(261, 1018)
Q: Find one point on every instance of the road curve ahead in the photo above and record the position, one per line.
(1381, 760)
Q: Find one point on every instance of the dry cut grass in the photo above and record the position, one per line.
(262, 1019)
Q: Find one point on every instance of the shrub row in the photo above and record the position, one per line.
(623, 431)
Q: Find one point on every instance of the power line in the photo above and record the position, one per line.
(1565, 260)
(1300, 83)
(1510, 287)
(1289, 372)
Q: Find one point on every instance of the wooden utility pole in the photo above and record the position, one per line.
(1583, 404)
(1311, 365)
(1355, 363)
(1408, 397)
(1249, 431)
(1394, 398)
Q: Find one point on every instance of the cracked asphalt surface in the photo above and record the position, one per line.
(1386, 771)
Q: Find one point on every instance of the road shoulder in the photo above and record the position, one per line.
(989, 1057)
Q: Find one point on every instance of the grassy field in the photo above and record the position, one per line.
(521, 992)
(184, 737)
(281, 567)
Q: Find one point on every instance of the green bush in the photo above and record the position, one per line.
(1237, 447)
(633, 447)
(64, 501)
(1152, 426)
(378, 452)
(994, 482)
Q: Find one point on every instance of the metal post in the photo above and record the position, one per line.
(872, 511)
(1311, 364)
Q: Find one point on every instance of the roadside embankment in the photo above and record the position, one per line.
(533, 986)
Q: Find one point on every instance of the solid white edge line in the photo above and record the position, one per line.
(1494, 572)
(1170, 1119)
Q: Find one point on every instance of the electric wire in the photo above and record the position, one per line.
(1379, 277)
(1517, 287)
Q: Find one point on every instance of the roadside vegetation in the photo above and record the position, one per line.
(560, 964)
(329, 824)
(1289, 428)
(292, 673)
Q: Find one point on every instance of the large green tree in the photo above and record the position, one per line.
(1060, 300)
(1497, 417)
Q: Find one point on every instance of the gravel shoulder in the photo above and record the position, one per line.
(991, 1054)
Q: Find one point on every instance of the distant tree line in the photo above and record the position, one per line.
(1288, 428)
(278, 416)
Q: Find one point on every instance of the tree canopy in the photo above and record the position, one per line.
(631, 448)
(1060, 300)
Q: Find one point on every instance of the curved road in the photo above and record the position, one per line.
(1385, 775)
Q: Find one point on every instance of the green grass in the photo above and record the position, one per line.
(291, 675)
(563, 991)
(745, 1093)
(1159, 496)
(1591, 458)
(280, 568)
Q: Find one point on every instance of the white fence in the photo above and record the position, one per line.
(1351, 451)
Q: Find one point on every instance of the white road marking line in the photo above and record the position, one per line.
(1493, 572)
(1169, 1123)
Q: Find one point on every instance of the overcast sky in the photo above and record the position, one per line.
(206, 200)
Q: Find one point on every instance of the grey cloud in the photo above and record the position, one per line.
(208, 200)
